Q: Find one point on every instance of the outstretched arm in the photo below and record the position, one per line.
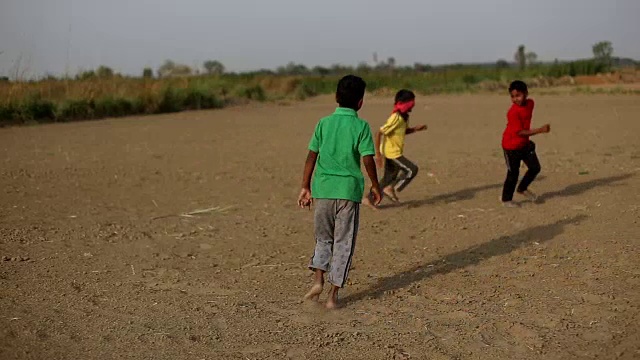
(411, 130)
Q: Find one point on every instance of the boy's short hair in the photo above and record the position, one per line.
(350, 91)
(404, 95)
(518, 85)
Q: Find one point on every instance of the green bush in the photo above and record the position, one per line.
(198, 98)
(322, 85)
(7, 114)
(304, 91)
(172, 100)
(76, 110)
(146, 104)
(470, 79)
(113, 107)
(35, 108)
(255, 92)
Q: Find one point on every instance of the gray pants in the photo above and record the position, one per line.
(336, 228)
(398, 173)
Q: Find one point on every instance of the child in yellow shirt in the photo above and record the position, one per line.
(398, 170)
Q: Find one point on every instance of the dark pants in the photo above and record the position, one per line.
(398, 173)
(513, 159)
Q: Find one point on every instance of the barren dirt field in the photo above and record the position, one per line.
(98, 262)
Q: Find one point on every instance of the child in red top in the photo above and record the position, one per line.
(516, 144)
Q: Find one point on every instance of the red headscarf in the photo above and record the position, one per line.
(404, 107)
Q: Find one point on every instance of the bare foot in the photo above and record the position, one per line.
(366, 201)
(314, 293)
(510, 204)
(390, 192)
(332, 302)
(331, 305)
(530, 195)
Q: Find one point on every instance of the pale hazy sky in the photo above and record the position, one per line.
(250, 34)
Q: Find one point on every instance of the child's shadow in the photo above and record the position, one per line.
(580, 188)
(460, 195)
(470, 193)
(471, 256)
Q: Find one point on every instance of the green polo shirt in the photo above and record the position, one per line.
(340, 140)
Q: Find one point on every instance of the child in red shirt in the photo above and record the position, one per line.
(516, 144)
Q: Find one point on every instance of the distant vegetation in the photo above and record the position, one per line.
(176, 87)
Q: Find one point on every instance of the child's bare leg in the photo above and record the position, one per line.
(316, 288)
(332, 302)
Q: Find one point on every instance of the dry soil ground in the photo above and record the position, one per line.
(98, 264)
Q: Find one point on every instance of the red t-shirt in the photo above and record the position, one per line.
(518, 118)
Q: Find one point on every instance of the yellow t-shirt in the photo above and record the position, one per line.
(394, 131)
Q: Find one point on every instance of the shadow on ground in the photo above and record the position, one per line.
(470, 193)
(464, 194)
(464, 258)
(580, 188)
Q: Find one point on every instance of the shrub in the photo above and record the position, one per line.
(255, 92)
(7, 112)
(197, 98)
(35, 108)
(303, 91)
(171, 100)
(76, 110)
(470, 79)
(113, 107)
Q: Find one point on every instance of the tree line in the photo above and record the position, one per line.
(602, 61)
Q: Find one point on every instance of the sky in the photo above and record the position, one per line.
(59, 36)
